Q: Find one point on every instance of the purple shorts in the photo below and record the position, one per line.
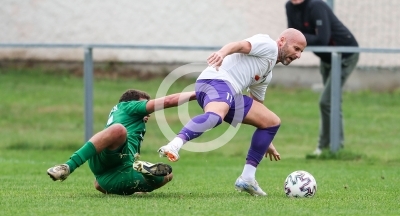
(208, 90)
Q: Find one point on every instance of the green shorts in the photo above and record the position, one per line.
(115, 174)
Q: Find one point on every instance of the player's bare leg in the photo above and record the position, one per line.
(110, 138)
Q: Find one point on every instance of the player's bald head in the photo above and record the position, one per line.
(294, 36)
(291, 44)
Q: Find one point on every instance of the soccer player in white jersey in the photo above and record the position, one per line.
(239, 66)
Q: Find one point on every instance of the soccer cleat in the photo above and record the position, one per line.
(147, 168)
(317, 152)
(59, 172)
(250, 187)
(170, 152)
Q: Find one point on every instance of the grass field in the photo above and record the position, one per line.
(41, 124)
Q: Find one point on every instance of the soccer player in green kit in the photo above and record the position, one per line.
(113, 152)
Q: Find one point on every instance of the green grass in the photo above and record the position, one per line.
(41, 124)
(203, 185)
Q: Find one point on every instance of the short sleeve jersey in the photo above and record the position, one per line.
(130, 114)
(252, 71)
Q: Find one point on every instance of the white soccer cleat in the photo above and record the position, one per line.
(59, 172)
(250, 187)
(147, 168)
(317, 152)
(170, 152)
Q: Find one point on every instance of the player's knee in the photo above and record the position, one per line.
(118, 131)
(276, 121)
(273, 120)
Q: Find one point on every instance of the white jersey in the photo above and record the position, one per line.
(252, 71)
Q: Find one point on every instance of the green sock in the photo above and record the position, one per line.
(81, 156)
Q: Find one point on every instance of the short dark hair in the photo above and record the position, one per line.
(133, 94)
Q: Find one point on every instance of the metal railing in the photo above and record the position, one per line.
(88, 74)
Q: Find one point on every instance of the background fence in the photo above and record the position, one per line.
(88, 76)
(172, 25)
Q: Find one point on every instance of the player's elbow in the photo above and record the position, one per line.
(244, 47)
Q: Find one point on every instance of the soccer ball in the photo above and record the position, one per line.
(300, 184)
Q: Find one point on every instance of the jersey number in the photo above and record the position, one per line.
(229, 97)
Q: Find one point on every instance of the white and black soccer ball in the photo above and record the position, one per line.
(300, 184)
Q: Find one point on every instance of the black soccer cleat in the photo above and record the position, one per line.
(147, 168)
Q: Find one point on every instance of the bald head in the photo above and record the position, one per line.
(294, 36)
(291, 44)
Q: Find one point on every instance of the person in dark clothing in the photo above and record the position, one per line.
(320, 26)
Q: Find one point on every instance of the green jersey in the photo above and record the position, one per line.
(130, 115)
(113, 168)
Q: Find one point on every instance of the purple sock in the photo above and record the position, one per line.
(199, 124)
(259, 144)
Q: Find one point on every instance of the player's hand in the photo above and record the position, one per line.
(215, 60)
(272, 152)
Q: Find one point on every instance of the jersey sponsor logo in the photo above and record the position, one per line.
(263, 78)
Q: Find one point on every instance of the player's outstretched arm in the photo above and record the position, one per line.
(168, 101)
(215, 59)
